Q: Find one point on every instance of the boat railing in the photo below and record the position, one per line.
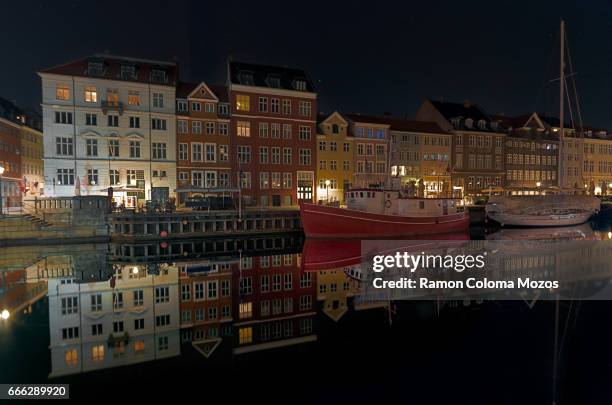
(557, 208)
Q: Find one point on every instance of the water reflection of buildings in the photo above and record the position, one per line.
(131, 318)
(252, 303)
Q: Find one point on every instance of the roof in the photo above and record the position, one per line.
(368, 119)
(416, 126)
(220, 91)
(261, 76)
(28, 117)
(463, 110)
(112, 69)
(184, 89)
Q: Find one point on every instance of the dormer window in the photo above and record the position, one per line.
(335, 129)
(456, 122)
(128, 72)
(469, 123)
(159, 76)
(95, 68)
(482, 124)
(494, 125)
(246, 78)
(300, 85)
(274, 81)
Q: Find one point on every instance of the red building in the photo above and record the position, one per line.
(205, 299)
(203, 141)
(11, 122)
(273, 124)
(274, 303)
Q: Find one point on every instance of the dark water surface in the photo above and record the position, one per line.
(255, 323)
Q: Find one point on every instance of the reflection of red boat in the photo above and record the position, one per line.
(383, 213)
(324, 254)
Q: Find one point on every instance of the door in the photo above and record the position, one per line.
(304, 191)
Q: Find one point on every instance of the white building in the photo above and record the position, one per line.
(110, 122)
(97, 325)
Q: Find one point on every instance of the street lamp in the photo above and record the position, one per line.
(1, 211)
(327, 183)
(5, 314)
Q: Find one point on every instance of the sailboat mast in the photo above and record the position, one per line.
(561, 98)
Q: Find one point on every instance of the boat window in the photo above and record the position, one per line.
(373, 194)
(421, 205)
(361, 194)
(368, 194)
(388, 195)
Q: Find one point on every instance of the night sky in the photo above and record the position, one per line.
(369, 57)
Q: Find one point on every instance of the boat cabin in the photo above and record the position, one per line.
(394, 202)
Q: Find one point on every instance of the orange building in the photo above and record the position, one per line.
(203, 140)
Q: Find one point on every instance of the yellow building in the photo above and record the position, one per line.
(597, 163)
(32, 167)
(334, 157)
(334, 288)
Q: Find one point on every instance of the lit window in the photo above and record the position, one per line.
(72, 357)
(91, 94)
(243, 102)
(62, 92)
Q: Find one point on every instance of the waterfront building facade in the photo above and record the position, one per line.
(273, 121)
(110, 122)
(11, 123)
(203, 136)
(421, 151)
(32, 164)
(335, 154)
(597, 162)
(370, 150)
(478, 145)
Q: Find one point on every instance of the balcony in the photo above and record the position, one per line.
(112, 106)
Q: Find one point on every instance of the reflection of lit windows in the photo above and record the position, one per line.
(245, 310)
(72, 357)
(245, 335)
(139, 346)
(97, 353)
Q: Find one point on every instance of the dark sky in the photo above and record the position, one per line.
(371, 57)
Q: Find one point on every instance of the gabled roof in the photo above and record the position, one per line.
(322, 117)
(112, 69)
(185, 89)
(262, 76)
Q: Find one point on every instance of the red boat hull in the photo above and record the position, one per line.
(321, 221)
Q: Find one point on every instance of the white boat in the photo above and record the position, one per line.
(542, 211)
(546, 210)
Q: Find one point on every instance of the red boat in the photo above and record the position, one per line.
(375, 213)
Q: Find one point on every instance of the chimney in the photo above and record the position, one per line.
(467, 104)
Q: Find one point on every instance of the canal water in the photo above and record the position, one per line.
(247, 319)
